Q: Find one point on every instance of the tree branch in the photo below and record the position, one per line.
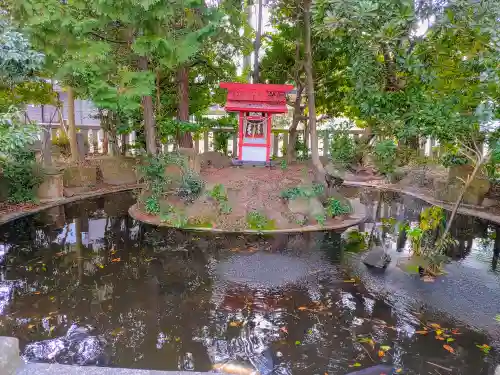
(106, 39)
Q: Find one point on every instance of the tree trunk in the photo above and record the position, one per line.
(72, 126)
(318, 166)
(257, 43)
(148, 114)
(292, 132)
(461, 196)
(183, 139)
(105, 141)
(247, 60)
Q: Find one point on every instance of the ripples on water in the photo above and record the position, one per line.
(161, 299)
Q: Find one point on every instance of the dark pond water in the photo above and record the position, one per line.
(134, 296)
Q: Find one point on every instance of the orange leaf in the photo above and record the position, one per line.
(434, 325)
(449, 348)
(440, 338)
(381, 353)
(302, 308)
(422, 332)
(116, 260)
(36, 292)
(284, 329)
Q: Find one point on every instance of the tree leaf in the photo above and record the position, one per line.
(385, 347)
(449, 348)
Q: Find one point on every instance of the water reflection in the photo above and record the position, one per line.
(162, 299)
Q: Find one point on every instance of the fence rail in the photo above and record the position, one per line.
(94, 137)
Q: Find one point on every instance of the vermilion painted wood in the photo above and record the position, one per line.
(259, 97)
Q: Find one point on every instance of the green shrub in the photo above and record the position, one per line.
(302, 192)
(336, 208)
(258, 221)
(218, 193)
(343, 148)
(385, 155)
(451, 159)
(191, 185)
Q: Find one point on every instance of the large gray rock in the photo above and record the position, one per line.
(377, 258)
(310, 207)
(9, 355)
(335, 170)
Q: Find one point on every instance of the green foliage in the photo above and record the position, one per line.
(335, 208)
(343, 147)
(173, 217)
(385, 156)
(283, 164)
(451, 159)
(191, 185)
(301, 150)
(152, 205)
(356, 241)
(218, 193)
(258, 221)
(320, 219)
(302, 192)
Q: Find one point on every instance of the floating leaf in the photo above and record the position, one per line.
(449, 348)
(381, 353)
(484, 348)
(284, 329)
(439, 332)
(297, 342)
(234, 324)
(357, 364)
(385, 347)
(455, 331)
(399, 370)
(100, 265)
(302, 308)
(428, 279)
(116, 260)
(434, 325)
(31, 326)
(497, 318)
(350, 281)
(450, 339)
(37, 293)
(51, 329)
(440, 338)
(116, 331)
(422, 332)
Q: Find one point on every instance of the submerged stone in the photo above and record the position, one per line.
(377, 258)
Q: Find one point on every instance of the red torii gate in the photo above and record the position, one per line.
(255, 103)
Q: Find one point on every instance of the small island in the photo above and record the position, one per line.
(207, 192)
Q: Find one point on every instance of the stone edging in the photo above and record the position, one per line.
(10, 216)
(447, 206)
(133, 211)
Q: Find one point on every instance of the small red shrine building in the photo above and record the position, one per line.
(255, 103)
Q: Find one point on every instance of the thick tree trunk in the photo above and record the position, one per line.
(183, 139)
(257, 43)
(247, 60)
(72, 126)
(318, 166)
(292, 132)
(148, 113)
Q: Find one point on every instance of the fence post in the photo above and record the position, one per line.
(95, 141)
(205, 141)
(275, 143)
(326, 142)
(197, 144)
(46, 148)
(235, 145)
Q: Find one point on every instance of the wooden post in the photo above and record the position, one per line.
(46, 148)
(197, 145)
(105, 141)
(205, 142)
(95, 141)
(275, 143)
(85, 133)
(235, 145)
(326, 143)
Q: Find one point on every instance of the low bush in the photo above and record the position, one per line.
(385, 156)
(23, 176)
(343, 148)
(336, 208)
(258, 221)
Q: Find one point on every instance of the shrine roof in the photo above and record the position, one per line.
(251, 106)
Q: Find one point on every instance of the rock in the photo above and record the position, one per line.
(497, 370)
(80, 175)
(477, 189)
(335, 170)
(310, 207)
(52, 187)
(9, 355)
(377, 258)
(214, 159)
(118, 170)
(192, 158)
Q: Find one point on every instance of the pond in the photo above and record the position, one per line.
(86, 284)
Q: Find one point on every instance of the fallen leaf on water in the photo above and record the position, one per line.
(440, 338)
(51, 329)
(235, 249)
(434, 325)
(449, 348)
(381, 353)
(450, 339)
(350, 281)
(428, 279)
(116, 331)
(31, 326)
(357, 364)
(234, 324)
(297, 342)
(36, 292)
(484, 348)
(100, 265)
(439, 332)
(385, 347)
(455, 331)
(422, 332)
(302, 308)
(116, 260)
(284, 329)
(399, 370)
